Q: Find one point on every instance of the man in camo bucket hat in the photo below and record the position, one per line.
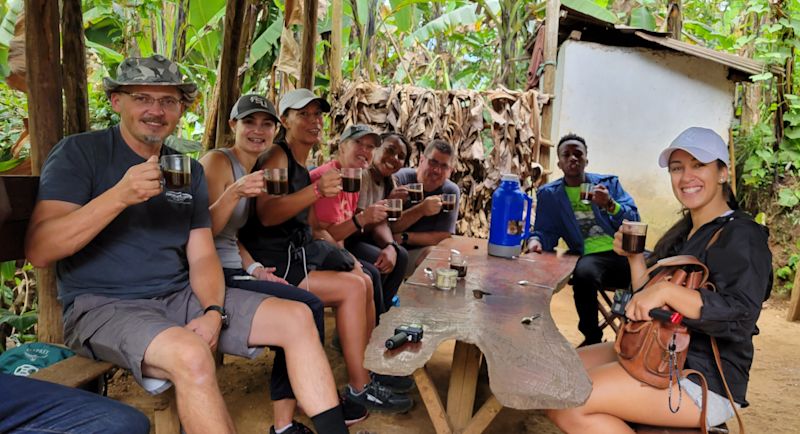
(155, 70)
(137, 270)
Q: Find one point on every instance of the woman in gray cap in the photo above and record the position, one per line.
(278, 235)
(735, 249)
(230, 186)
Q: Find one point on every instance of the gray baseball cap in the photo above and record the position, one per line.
(252, 103)
(703, 143)
(299, 98)
(357, 131)
(155, 70)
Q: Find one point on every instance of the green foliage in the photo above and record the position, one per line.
(17, 318)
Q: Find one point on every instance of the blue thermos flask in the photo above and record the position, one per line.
(510, 219)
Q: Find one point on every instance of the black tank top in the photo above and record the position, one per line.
(262, 240)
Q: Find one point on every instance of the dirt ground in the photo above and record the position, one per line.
(774, 389)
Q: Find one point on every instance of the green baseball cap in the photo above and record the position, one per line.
(357, 131)
(299, 98)
(155, 70)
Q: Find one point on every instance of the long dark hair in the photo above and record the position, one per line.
(670, 242)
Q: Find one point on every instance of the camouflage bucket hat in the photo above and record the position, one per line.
(155, 70)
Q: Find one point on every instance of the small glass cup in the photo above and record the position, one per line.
(276, 181)
(415, 194)
(458, 263)
(634, 235)
(448, 202)
(587, 193)
(446, 278)
(177, 171)
(394, 209)
(351, 179)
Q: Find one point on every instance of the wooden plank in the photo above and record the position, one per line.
(165, 418)
(484, 416)
(309, 47)
(427, 390)
(463, 383)
(75, 371)
(76, 99)
(549, 79)
(794, 307)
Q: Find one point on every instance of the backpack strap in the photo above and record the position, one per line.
(725, 383)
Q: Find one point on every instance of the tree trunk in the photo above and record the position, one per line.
(228, 69)
(42, 58)
(181, 26)
(309, 44)
(76, 114)
(335, 63)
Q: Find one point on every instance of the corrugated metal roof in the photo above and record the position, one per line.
(597, 30)
(743, 64)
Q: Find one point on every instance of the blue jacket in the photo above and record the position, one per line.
(555, 218)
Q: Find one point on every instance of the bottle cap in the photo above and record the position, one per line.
(509, 177)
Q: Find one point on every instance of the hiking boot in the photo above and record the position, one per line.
(378, 397)
(353, 412)
(296, 428)
(398, 384)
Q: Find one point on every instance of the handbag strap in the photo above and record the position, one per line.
(725, 383)
(704, 407)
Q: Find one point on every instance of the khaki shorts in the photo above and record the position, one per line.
(120, 330)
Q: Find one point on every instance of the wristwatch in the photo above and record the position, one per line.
(404, 238)
(395, 245)
(222, 313)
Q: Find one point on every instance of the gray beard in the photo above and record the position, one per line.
(153, 140)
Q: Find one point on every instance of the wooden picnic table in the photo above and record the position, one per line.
(530, 366)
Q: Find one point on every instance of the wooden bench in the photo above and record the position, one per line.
(75, 371)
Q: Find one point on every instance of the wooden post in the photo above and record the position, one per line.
(76, 114)
(427, 390)
(42, 58)
(794, 307)
(463, 383)
(549, 82)
(309, 48)
(335, 64)
(228, 69)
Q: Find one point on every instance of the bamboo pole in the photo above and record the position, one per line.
(309, 44)
(549, 80)
(42, 58)
(76, 113)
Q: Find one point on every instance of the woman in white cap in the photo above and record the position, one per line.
(278, 235)
(254, 122)
(735, 249)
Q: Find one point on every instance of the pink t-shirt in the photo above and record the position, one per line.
(333, 209)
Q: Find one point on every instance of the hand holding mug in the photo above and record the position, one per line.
(330, 183)
(431, 205)
(375, 213)
(250, 185)
(140, 182)
(600, 196)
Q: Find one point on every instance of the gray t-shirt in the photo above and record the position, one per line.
(142, 252)
(442, 222)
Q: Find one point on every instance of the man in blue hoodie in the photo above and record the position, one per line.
(587, 228)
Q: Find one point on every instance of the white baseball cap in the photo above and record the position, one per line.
(704, 144)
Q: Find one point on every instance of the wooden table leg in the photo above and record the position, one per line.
(484, 416)
(427, 390)
(463, 383)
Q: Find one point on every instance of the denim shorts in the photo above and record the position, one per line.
(718, 409)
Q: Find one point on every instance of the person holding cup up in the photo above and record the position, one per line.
(585, 210)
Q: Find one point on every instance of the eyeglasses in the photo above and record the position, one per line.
(144, 100)
(437, 165)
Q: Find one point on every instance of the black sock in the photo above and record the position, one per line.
(330, 421)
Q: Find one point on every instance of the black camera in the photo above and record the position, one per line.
(621, 299)
(405, 333)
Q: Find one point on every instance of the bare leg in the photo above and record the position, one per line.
(289, 325)
(370, 305)
(597, 355)
(617, 397)
(284, 412)
(347, 293)
(184, 358)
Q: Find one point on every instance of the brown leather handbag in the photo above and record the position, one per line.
(654, 352)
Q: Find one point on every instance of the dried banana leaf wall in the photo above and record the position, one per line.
(494, 132)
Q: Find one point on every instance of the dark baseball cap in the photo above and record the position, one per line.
(252, 103)
(299, 98)
(704, 144)
(357, 131)
(155, 70)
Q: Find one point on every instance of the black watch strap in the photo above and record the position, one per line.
(223, 314)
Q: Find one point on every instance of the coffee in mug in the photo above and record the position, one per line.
(351, 179)
(587, 193)
(276, 181)
(415, 194)
(394, 209)
(177, 171)
(634, 235)
(448, 202)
